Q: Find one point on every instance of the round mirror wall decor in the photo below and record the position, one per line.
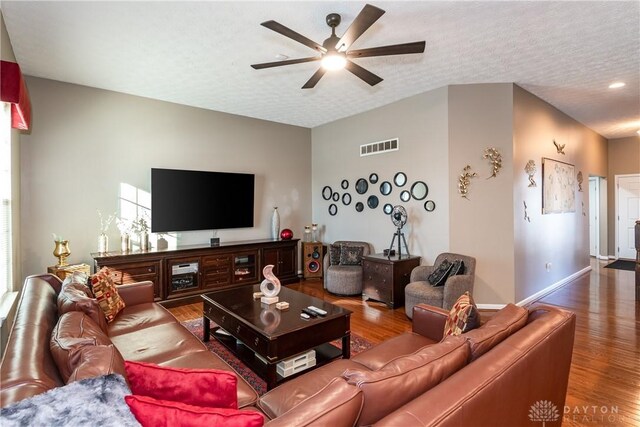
(429, 205)
(359, 207)
(346, 199)
(336, 196)
(327, 192)
(362, 186)
(419, 190)
(333, 209)
(344, 184)
(387, 208)
(385, 188)
(373, 178)
(372, 202)
(405, 196)
(400, 179)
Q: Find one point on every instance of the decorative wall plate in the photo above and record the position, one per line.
(372, 202)
(333, 209)
(419, 190)
(362, 186)
(335, 197)
(344, 184)
(400, 179)
(429, 206)
(327, 192)
(387, 208)
(385, 188)
(346, 199)
(359, 207)
(405, 196)
(373, 178)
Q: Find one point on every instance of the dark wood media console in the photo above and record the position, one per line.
(180, 275)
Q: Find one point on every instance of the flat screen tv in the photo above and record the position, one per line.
(183, 200)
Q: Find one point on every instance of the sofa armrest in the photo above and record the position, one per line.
(136, 293)
(429, 321)
(421, 272)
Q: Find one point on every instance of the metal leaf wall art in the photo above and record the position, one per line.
(579, 179)
(559, 148)
(530, 169)
(495, 158)
(465, 180)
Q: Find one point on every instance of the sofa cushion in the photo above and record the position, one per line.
(153, 412)
(351, 255)
(140, 316)
(440, 274)
(292, 393)
(401, 345)
(200, 387)
(106, 293)
(407, 377)
(76, 296)
(336, 404)
(74, 329)
(504, 323)
(463, 316)
(91, 361)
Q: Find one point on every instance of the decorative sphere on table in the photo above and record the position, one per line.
(286, 234)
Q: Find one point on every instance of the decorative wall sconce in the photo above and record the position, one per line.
(465, 180)
(579, 178)
(526, 215)
(495, 158)
(559, 148)
(530, 169)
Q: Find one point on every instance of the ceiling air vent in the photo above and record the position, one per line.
(379, 147)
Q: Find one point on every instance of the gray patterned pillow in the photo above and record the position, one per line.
(334, 254)
(351, 255)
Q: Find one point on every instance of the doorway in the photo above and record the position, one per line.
(627, 192)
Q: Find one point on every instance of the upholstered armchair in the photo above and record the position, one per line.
(344, 279)
(419, 290)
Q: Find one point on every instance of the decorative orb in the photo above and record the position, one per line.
(286, 234)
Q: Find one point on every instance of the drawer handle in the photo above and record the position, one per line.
(150, 270)
(224, 318)
(238, 329)
(255, 342)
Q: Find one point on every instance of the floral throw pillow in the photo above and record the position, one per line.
(107, 295)
(351, 255)
(463, 317)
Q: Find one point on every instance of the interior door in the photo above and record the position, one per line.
(594, 233)
(628, 211)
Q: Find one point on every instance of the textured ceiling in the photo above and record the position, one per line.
(198, 53)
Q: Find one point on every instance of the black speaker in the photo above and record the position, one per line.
(312, 258)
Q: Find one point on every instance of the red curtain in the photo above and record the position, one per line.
(14, 90)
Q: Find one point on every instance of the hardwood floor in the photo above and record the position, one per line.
(604, 382)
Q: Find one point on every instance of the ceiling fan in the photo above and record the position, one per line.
(335, 53)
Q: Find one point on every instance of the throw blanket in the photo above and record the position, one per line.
(94, 401)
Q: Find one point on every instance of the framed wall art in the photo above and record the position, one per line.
(558, 187)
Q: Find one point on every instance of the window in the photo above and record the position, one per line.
(5, 199)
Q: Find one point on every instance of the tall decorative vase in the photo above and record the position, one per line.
(144, 241)
(124, 242)
(103, 243)
(275, 224)
(61, 251)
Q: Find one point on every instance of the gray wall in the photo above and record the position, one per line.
(481, 225)
(624, 158)
(86, 142)
(559, 239)
(420, 123)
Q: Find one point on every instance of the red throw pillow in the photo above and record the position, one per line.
(200, 387)
(153, 413)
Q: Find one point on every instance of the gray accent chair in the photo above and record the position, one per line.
(344, 279)
(419, 290)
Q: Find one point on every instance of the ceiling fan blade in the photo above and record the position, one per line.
(287, 62)
(310, 84)
(396, 49)
(365, 75)
(367, 16)
(288, 32)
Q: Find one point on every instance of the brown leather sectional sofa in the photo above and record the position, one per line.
(492, 375)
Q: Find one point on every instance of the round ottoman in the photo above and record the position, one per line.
(344, 279)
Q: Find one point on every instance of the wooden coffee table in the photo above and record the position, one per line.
(274, 335)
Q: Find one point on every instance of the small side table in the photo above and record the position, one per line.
(385, 277)
(66, 270)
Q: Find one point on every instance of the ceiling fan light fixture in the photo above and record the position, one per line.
(334, 61)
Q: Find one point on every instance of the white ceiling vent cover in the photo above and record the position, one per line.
(380, 147)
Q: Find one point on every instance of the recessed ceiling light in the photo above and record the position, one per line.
(281, 56)
(616, 85)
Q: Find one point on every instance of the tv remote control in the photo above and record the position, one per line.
(320, 311)
(305, 315)
(309, 312)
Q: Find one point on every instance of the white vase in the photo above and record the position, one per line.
(124, 242)
(103, 243)
(275, 224)
(144, 241)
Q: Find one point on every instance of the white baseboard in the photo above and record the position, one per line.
(603, 257)
(553, 287)
(491, 306)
